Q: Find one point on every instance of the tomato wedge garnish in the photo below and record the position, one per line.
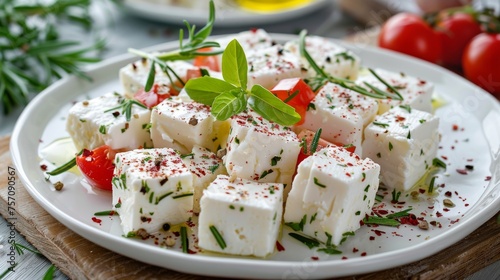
(296, 93)
(97, 166)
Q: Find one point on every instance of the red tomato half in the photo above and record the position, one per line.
(307, 136)
(97, 167)
(211, 61)
(481, 62)
(456, 31)
(296, 93)
(410, 34)
(151, 98)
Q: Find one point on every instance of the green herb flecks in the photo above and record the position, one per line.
(381, 221)
(300, 225)
(184, 240)
(315, 140)
(106, 213)
(309, 242)
(438, 163)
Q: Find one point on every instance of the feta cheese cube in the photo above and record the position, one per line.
(251, 40)
(151, 187)
(260, 150)
(181, 125)
(331, 193)
(404, 143)
(341, 114)
(246, 214)
(268, 66)
(102, 121)
(334, 59)
(205, 165)
(416, 93)
(133, 77)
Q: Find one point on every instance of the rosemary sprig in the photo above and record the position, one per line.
(32, 55)
(126, 107)
(193, 48)
(322, 77)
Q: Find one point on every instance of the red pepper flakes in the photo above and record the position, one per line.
(43, 167)
(454, 221)
(446, 209)
(96, 220)
(279, 247)
(462, 171)
(466, 205)
(191, 252)
(454, 127)
(344, 258)
(409, 220)
(421, 190)
(444, 157)
(355, 250)
(448, 194)
(378, 232)
(363, 254)
(372, 238)
(190, 224)
(488, 178)
(314, 258)
(438, 214)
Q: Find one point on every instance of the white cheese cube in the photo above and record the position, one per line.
(341, 114)
(151, 187)
(331, 193)
(181, 125)
(404, 144)
(268, 66)
(251, 40)
(102, 121)
(246, 214)
(416, 93)
(260, 150)
(334, 59)
(205, 165)
(134, 76)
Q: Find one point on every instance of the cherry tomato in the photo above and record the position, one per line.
(296, 93)
(307, 136)
(211, 61)
(97, 167)
(151, 98)
(456, 31)
(481, 62)
(408, 33)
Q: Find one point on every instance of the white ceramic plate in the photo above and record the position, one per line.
(229, 15)
(476, 142)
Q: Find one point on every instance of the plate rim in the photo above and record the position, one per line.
(105, 239)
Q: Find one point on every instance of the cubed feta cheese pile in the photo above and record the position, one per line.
(151, 187)
(251, 40)
(404, 142)
(246, 216)
(260, 150)
(134, 76)
(102, 120)
(416, 93)
(205, 165)
(181, 125)
(332, 192)
(341, 114)
(334, 59)
(268, 66)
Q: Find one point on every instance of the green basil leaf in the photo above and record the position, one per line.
(205, 89)
(271, 107)
(229, 103)
(234, 65)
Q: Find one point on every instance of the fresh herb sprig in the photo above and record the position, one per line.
(196, 46)
(322, 77)
(230, 96)
(32, 54)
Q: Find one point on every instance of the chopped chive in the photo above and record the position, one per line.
(384, 125)
(399, 214)
(381, 221)
(300, 225)
(274, 160)
(184, 240)
(315, 140)
(406, 107)
(182, 195)
(63, 168)
(160, 198)
(317, 183)
(309, 242)
(295, 93)
(106, 213)
(218, 237)
(431, 185)
(439, 163)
